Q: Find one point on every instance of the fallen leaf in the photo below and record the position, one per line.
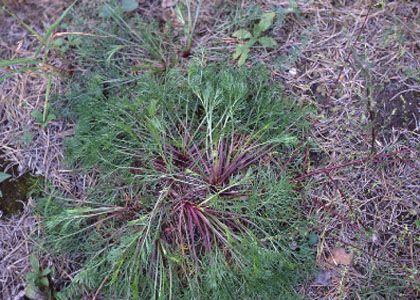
(339, 256)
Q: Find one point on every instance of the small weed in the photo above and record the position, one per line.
(292, 58)
(4, 176)
(45, 117)
(242, 51)
(184, 13)
(38, 284)
(39, 60)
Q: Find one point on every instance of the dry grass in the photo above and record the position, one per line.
(23, 143)
(349, 55)
(15, 248)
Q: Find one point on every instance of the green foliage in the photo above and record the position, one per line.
(291, 59)
(129, 5)
(124, 42)
(38, 285)
(46, 116)
(40, 55)
(187, 13)
(123, 47)
(187, 205)
(4, 176)
(39, 118)
(242, 51)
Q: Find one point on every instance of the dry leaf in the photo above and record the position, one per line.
(339, 256)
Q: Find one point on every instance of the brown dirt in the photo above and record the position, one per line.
(398, 108)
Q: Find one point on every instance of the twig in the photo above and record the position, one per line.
(327, 170)
(100, 287)
(355, 41)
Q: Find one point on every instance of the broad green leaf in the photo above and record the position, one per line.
(238, 51)
(44, 281)
(267, 42)
(34, 263)
(4, 176)
(32, 292)
(129, 5)
(58, 42)
(251, 42)
(46, 272)
(242, 34)
(37, 115)
(27, 137)
(265, 23)
(313, 239)
(105, 11)
(50, 117)
(243, 57)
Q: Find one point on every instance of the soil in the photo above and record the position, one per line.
(398, 108)
(14, 39)
(14, 192)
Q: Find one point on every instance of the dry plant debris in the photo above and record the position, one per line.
(15, 248)
(23, 143)
(339, 256)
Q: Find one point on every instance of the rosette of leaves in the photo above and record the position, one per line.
(189, 202)
(250, 39)
(38, 284)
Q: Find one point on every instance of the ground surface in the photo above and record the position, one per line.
(357, 62)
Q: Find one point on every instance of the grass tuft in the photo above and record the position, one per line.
(189, 203)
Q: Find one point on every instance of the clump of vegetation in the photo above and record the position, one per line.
(38, 284)
(242, 51)
(190, 204)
